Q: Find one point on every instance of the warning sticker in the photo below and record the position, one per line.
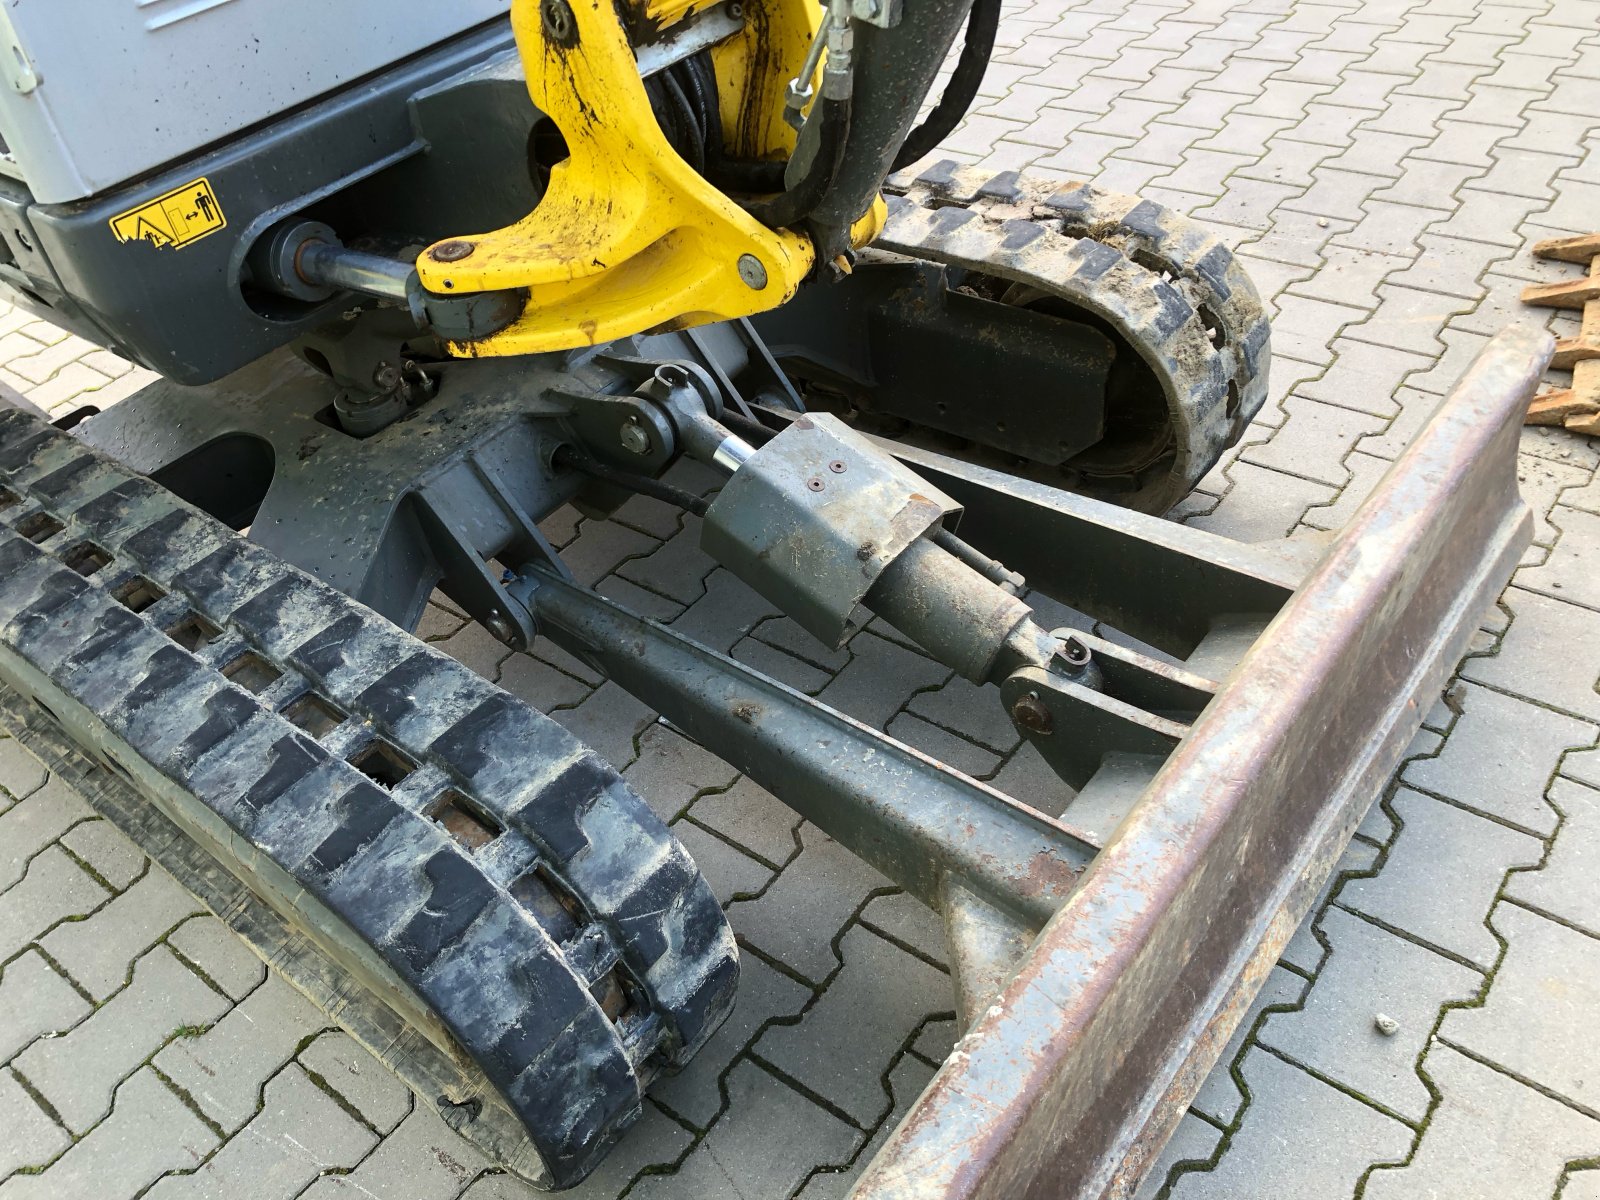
(182, 216)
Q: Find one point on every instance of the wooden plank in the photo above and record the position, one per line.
(1578, 249)
(1589, 424)
(1553, 408)
(1571, 351)
(1569, 293)
(1586, 382)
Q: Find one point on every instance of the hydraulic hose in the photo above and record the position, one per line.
(793, 206)
(574, 459)
(982, 24)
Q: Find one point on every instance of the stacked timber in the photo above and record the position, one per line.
(1578, 407)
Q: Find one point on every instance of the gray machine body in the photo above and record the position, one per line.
(157, 81)
(399, 140)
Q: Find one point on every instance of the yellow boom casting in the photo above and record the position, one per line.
(629, 238)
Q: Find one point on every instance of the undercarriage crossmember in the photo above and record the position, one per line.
(487, 906)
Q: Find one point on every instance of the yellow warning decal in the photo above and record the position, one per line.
(182, 216)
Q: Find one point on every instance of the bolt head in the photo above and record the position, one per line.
(635, 437)
(501, 628)
(452, 251)
(1030, 713)
(753, 272)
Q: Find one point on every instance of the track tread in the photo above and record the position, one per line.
(442, 919)
(1154, 275)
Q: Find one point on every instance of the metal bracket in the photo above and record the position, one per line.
(815, 516)
(885, 14)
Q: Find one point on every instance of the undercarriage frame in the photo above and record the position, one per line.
(1099, 975)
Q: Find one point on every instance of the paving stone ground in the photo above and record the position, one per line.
(1382, 166)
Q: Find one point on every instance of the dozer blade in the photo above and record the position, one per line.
(442, 869)
(1071, 1081)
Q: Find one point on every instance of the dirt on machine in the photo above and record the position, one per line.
(409, 295)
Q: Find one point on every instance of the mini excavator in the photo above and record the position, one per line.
(415, 277)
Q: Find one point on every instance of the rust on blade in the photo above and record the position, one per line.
(1072, 1080)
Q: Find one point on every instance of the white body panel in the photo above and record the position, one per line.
(94, 93)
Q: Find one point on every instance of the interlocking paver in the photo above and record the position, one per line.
(1305, 951)
(1299, 1137)
(1310, 326)
(754, 818)
(947, 747)
(1219, 1097)
(1442, 875)
(765, 994)
(1448, 265)
(32, 824)
(20, 773)
(796, 919)
(727, 611)
(1356, 262)
(108, 853)
(1313, 442)
(1550, 655)
(1546, 989)
(420, 1160)
(54, 889)
(977, 712)
(843, 1046)
(150, 1133)
(79, 1072)
(335, 1061)
(1262, 504)
(903, 918)
(1367, 972)
(1490, 1138)
(475, 647)
(300, 1133)
(1500, 757)
(880, 678)
(1408, 319)
(1364, 377)
(727, 869)
(1567, 886)
(671, 770)
(906, 1082)
(608, 721)
(35, 999)
(746, 1155)
(96, 952)
(540, 684)
(1569, 572)
(32, 1138)
(225, 1067)
(213, 949)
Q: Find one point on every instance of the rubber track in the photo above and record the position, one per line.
(1172, 289)
(581, 890)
